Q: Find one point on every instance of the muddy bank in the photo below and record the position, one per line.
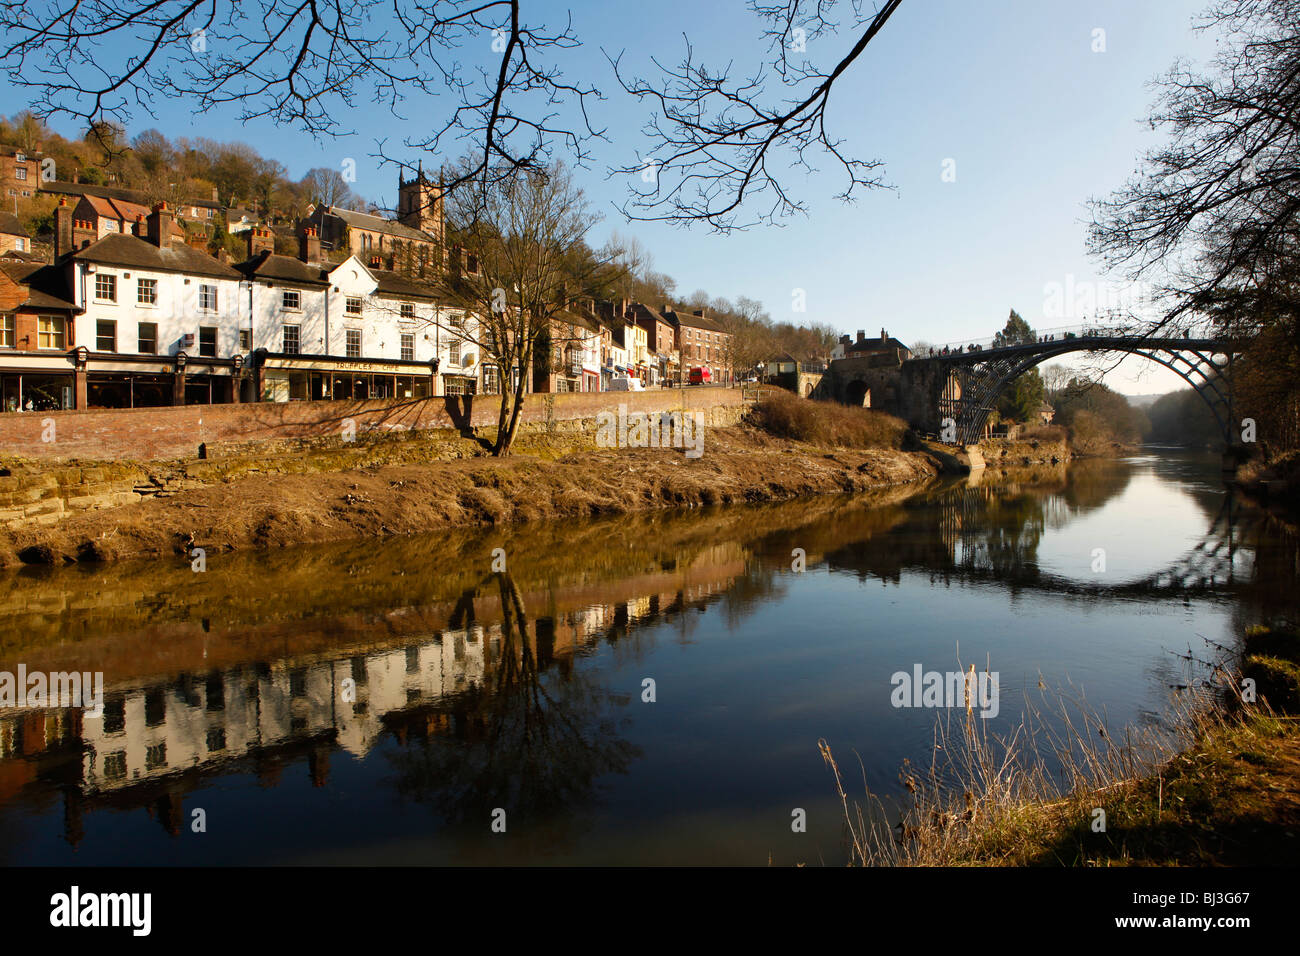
(740, 464)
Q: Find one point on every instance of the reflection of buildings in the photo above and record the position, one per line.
(158, 740)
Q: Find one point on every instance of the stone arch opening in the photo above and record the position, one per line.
(857, 393)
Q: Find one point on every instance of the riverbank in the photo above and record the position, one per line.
(1221, 788)
(414, 484)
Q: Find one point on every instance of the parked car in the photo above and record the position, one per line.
(625, 383)
(700, 376)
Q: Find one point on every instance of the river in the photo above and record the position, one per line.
(403, 701)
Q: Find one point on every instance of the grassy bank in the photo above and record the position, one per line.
(1219, 784)
(816, 450)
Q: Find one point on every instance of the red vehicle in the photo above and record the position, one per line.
(700, 376)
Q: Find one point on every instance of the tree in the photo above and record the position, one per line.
(527, 232)
(326, 187)
(1213, 210)
(1016, 332)
(715, 143)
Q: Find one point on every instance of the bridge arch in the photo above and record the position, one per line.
(985, 374)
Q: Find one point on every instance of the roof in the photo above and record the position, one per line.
(391, 227)
(696, 321)
(876, 345)
(269, 265)
(117, 208)
(47, 286)
(130, 251)
(115, 192)
(396, 285)
(10, 225)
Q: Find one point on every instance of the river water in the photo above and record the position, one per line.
(401, 702)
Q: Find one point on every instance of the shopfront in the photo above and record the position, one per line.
(309, 379)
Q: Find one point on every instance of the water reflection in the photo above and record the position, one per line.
(459, 690)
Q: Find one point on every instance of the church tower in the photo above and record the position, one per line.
(419, 205)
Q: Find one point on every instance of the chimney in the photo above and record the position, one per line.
(83, 233)
(309, 245)
(160, 225)
(62, 229)
(846, 340)
(223, 256)
(214, 194)
(884, 336)
(622, 309)
(862, 335)
(260, 240)
(139, 228)
(375, 262)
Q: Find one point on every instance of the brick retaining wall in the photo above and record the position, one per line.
(147, 434)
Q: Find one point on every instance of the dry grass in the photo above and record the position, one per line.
(1043, 433)
(827, 424)
(1030, 796)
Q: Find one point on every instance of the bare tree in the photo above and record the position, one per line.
(504, 95)
(326, 187)
(1214, 212)
(527, 232)
(716, 143)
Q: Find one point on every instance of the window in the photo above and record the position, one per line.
(146, 291)
(155, 756)
(353, 305)
(20, 245)
(290, 346)
(471, 265)
(6, 331)
(51, 332)
(109, 225)
(147, 338)
(408, 310)
(245, 340)
(208, 340)
(115, 765)
(453, 351)
(208, 298)
(291, 300)
(20, 172)
(106, 287)
(408, 346)
(106, 335)
(354, 343)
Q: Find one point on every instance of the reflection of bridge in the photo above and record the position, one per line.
(1211, 567)
(971, 376)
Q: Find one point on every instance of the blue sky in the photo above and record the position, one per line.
(1035, 121)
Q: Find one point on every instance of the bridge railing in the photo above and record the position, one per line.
(1086, 330)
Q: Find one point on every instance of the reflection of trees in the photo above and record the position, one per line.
(531, 744)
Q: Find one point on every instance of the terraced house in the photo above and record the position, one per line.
(141, 319)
